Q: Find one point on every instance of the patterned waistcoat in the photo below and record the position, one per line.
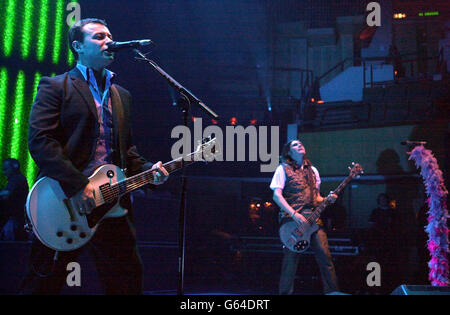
(298, 194)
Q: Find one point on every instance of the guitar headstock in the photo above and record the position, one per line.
(356, 170)
(207, 150)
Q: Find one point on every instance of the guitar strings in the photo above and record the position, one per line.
(315, 215)
(136, 181)
(129, 184)
(115, 190)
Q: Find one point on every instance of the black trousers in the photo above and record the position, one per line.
(113, 249)
(319, 244)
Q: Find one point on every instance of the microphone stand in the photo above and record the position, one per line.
(185, 103)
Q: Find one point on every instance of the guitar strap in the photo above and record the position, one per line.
(118, 123)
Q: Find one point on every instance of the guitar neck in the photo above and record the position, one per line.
(319, 209)
(137, 181)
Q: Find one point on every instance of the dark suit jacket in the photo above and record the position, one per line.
(64, 126)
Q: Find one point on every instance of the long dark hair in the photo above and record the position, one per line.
(286, 158)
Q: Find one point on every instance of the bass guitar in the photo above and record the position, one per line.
(296, 237)
(59, 226)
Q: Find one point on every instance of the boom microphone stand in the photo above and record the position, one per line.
(187, 99)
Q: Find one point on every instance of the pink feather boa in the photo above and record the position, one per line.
(437, 215)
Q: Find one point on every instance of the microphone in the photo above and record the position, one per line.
(413, 142)
(116, 46)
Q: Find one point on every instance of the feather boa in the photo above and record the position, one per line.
(437, 215)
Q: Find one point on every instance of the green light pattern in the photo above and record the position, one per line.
(31, 167)
(70, 57)
(18, 120)
(57, 39)
(42, 31)
(31, 170)
(37, 78)
(27, 27)
(432, 13)
(8, 38)
(3, 106)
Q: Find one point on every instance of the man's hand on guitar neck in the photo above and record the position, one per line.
(160, 174)
(331, 198)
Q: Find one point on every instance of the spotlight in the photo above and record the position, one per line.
(399, 15)
(269, 103)
(255, 213)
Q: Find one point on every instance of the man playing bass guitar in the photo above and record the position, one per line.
(295, 186)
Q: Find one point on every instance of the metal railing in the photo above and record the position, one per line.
(368, 63)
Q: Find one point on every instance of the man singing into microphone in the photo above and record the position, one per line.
(79, 121)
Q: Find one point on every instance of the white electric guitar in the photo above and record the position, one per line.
(61, 227)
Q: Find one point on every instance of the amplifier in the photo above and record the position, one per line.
(337, 246)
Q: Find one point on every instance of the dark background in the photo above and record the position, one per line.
(222, 51)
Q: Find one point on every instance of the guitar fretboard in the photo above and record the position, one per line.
(318, 211)
(111, 193)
